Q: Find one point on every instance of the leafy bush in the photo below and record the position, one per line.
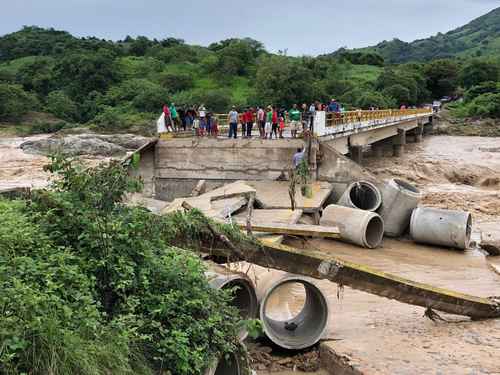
(116, 118)
(175, 82)
(142, 95)
(15, 102)
(483, 88)
(91, 286)
(61, 106)
(476, 72)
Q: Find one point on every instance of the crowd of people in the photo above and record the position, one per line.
(268, 121)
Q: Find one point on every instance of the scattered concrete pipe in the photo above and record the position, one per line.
(233, 364)
(399, 199)
(363, 228)
(362, 195)
(244, 299)
(295, 327)
(439, 227)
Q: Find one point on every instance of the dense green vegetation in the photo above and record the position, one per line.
(481, 37)
(118, 85)
(115, 85)
(90, 286)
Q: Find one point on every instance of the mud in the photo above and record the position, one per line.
(452, 172)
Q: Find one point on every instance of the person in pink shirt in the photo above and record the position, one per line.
(168, 118)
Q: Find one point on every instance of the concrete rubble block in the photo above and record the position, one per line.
(363, 228)
(361, 195)
(219, 209)
(399, 199)
(448, 228)
(490, 239)
(154, 205)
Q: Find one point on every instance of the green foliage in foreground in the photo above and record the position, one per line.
(89, 286)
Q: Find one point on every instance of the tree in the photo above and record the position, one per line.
(37, 76)
(15, 102)
(140, 94)
(478, 71)
(442, 78)
(399, 93)
(174, 82)
(140, 46)
(283, 81)
(82, 73)
(61, 106)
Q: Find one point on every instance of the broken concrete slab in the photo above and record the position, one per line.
(274, 195)
(200, 188)
(238, 188)
(219, 209)
(276, 216)
(490, 238)
(294, 229)
(153, 205)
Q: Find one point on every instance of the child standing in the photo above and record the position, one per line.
(281, 126)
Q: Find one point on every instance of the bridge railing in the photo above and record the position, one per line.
(352, 117)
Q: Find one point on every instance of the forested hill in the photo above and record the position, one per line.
(481, 37)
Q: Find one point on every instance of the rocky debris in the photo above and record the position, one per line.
(85, 144)
(264, 358)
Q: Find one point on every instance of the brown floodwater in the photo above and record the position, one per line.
(453, 173)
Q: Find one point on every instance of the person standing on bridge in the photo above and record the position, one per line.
(294, 115)
(175, 116)
(261, 121)
(202, 114)
(274, 121)
(249, 121)
(269, 121)
(168, 118)
(233, 122)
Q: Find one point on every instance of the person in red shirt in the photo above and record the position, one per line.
(281, 126)
(243, 121)
(249, 121)
(275, 124)
(168, 118)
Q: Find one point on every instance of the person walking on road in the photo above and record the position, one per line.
(233, 122)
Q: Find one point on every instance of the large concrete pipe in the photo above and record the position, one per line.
(232, 364)
(363, 228)
(362, 195)
(293, 311)
(439, 227)
(244, 297)
(399, 199)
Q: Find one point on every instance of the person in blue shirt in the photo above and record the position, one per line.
(334, 106)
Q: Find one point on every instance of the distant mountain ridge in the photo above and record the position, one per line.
(480, 37)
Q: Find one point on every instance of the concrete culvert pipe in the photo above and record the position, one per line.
(362, 195)
(399, 199)
(293, 311)
(232, 364)
(359, 227)
(439, 227)
(244, 297)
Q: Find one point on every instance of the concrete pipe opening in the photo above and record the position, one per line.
(294, 313)
(244, 297)
(362, 195)
(374, 232)
(363, 228)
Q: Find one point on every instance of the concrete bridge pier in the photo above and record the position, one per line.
(398, 143)
(419, 135)
(378, 149)
(356, 154)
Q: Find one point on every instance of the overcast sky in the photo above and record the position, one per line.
(300, 26)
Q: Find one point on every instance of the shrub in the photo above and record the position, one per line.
(15, 102)
(142, 95)
(61, 106)
(176, 82)
(44, 127)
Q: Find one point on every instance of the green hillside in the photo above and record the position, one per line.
(481, 37)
